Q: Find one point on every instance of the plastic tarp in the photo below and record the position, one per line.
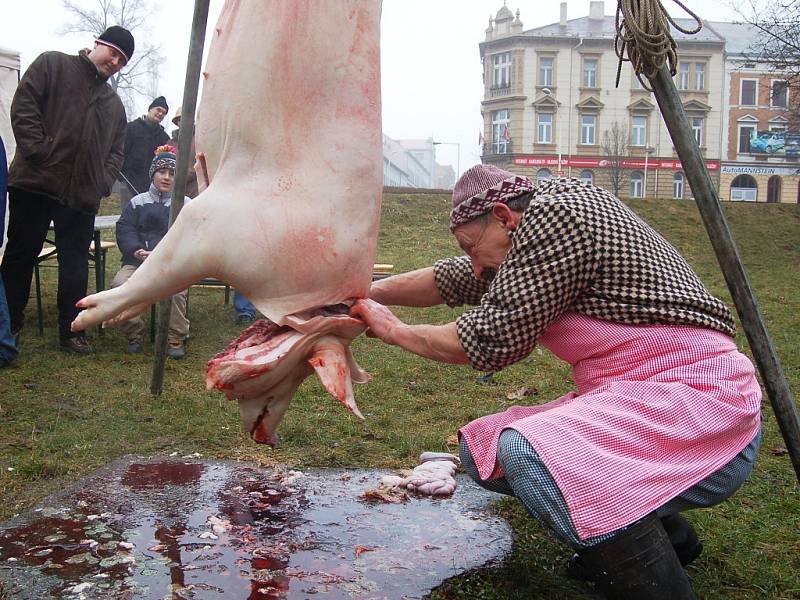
(9, 77)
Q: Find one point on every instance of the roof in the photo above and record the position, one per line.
(587, 28)
(739, 37)
(504, 13)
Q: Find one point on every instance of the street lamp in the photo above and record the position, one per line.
(458, 155)
(647, 152)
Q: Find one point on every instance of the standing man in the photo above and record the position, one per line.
(70, 130)
(142, 137)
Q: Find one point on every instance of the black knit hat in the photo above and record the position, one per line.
(160, 101)
(166, 158)
(118, 38)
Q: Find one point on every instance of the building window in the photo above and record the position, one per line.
(677, 185)
(588, 129)
(500, 135)
(683, 76)
(637, 184)
(697, 128)
(746, 132)
(590, 73)
(546, 70)
(700, 76)
(544, 128)
(748, 92)
(639, 131)
(587, 177)
(780, 94)
(744, 189)
(774, 189)
(543, 174)
(502, 70)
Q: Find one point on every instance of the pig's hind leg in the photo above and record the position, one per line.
(187, 254)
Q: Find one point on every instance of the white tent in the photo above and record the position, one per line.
(9, 77)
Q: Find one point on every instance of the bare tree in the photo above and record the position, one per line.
(777, 43)
(140, 76)
(615, 149)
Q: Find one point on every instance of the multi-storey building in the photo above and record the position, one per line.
(552, 106)
(761, 154)
(412, 163)
(403, 168)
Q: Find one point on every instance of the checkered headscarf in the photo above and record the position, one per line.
(480, 188)
(165, 159)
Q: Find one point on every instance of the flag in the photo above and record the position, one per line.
(506, 134)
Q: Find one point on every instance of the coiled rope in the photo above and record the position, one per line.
(643, 30)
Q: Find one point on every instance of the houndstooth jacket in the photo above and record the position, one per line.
(577, 248)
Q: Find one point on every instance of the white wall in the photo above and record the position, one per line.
(9, 76)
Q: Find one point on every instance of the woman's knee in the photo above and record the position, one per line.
(499, 486)
(515, 454)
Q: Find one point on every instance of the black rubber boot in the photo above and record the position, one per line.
(638, 564)
(683, 538)
(681, 534)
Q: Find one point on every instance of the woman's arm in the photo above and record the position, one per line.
(436, 342)
(415, 288)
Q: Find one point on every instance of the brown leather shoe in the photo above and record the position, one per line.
(76, 345)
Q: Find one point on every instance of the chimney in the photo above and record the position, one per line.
(596, 10)
(563, 20)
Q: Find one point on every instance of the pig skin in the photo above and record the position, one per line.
(289, 132)
(290, 127)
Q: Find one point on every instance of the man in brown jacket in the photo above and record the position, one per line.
(69, 125)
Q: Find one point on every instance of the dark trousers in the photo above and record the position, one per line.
(29, 219)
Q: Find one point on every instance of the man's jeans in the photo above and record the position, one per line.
(243, 306)
(8, 350)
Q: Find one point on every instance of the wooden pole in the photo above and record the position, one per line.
(728, 256)
(191, 86)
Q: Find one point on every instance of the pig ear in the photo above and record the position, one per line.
(329, 359)
(357, 374)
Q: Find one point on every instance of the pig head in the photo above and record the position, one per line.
(263, 368)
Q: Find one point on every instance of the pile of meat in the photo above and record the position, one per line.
(290, 151)
(264, 366)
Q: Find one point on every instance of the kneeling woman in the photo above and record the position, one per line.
(666, 414)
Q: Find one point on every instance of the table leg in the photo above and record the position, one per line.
(99, 270)
(98, 278)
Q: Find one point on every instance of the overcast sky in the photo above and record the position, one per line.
(431, 70)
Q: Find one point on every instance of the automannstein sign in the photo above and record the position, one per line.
(737, 170)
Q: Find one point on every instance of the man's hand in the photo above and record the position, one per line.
(381, 321)
(141, 254)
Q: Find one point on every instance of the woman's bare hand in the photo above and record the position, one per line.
(381, 321)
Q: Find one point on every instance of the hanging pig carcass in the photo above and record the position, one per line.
(289, 137)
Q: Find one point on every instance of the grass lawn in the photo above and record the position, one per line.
(62, 416)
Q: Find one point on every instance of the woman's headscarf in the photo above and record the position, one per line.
(480, 188)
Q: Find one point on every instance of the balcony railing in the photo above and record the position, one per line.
(501, 147)
(497, 91)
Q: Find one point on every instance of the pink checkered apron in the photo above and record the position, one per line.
(657, 409)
